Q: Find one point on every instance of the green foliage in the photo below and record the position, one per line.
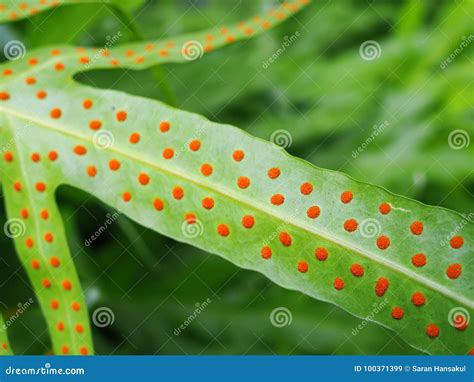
(29, 124)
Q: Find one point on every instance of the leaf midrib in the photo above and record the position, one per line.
(240, 199)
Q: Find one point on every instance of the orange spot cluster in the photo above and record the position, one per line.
(416, 228)
(206, 169)
(383, 242)
(274, 173)
(350, 225)
(277, 199)
(178, 193)
(385, 208)
(397, 313)
(338, 283)
(432, 330)
(194, 145)
(208, 203)
(418, 299)
(285, 239)
(321, 254)
(313, 212)
(168, 153)
(95, 124)
(357, 270)
(134, 138)
(454, 271)
(238, 155)
(55, 113)
(223, 230)
(346, 197)
(306, 188)
(303, 266)
(248, 221)
(456, 242)
(418, 260)
(158, 204)
(381, 286)
(143, 179)
(243, 182)
(266, 252)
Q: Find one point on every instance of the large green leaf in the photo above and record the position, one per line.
(380, 256)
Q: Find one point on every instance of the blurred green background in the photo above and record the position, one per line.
(326, 96)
